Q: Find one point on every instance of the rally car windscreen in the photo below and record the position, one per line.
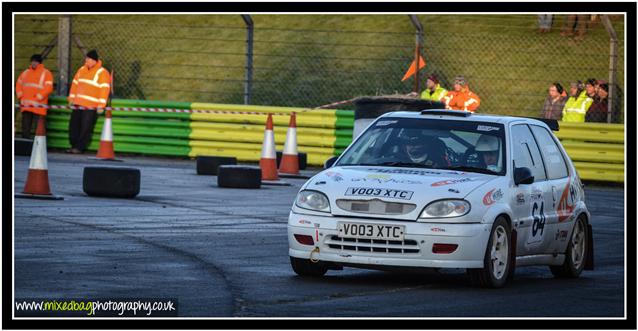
(430, 143)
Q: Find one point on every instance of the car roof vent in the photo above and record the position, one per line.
(444, 112)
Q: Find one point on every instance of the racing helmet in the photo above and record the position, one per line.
(490, 144)
(487, 143)
(415, 145)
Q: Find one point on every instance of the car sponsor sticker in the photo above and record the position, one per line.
(487, 128)
(384, 123)
(536, 194)
(520, 198)
(413, 172)
(382, 179)
(451, 181)
(567, 202)
(561, 234)
(492, 196)
(379, 192)
(335, 176)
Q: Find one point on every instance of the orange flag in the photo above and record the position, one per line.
(412, 70)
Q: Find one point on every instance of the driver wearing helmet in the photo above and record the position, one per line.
(488, 150)
(421, 149)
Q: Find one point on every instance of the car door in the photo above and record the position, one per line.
(559, 181)
(529, 201)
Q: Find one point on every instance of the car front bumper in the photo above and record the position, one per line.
(414, 251)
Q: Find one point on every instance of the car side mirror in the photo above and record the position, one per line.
(330, 162)
(523, 176)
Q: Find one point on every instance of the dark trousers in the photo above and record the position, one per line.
(28, 123)
(81, 128)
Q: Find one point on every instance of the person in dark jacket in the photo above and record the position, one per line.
(554, 103)
(599, 108)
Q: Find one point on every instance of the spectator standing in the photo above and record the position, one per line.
(554, 103)
(32, 88)
(461, 98)
(575, 25)
(433, 90)
(90, 89)
(544, 23)
(577, 104)
(599, 108)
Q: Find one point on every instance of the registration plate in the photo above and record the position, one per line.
(371, 231)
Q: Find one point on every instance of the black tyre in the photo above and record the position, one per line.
(303, 160)
(207, 165)
(239, 176)
(303, 267)
(497, 260)
(22, 146)
(576, 254)
(111, 182)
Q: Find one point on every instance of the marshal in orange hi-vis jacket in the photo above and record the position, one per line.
(33, 87)
(90, 87)
(461, 98)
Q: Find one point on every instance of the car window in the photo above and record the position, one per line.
(525, 152)
(438, 144)
(553, 158)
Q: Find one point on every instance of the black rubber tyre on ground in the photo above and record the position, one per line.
(22, 146)
(576, 252)
(114, 182)
(497, 260)
(303, 160)
(239, 176)
(303, 267)
(207, 165)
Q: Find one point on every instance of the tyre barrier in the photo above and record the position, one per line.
(207, 165)
(22, 146)
(239, 176)
(303, 160)
(115, 182)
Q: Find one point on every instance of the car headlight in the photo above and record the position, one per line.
(446, 208)
(313, 200)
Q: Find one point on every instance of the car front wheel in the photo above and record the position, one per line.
(497, 264)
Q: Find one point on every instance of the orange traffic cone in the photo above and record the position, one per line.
(37, 185)
(268, 161)
(289, 157)
(106, 151)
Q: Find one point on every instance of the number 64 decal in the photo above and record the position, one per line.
(539, 220)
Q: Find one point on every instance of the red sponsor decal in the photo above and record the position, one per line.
(451, 181)
(565, 206)
(487, 198)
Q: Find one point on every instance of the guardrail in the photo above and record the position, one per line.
(598, 150)
(321, 134)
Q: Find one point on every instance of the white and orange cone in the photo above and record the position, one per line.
(37, 184)
(290, 158)
(106, 150)
(268, 161)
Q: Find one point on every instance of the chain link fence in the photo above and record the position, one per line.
(311, 60)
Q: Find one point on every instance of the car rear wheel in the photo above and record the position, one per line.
(303, 267)
(576, 252)
(497, 261)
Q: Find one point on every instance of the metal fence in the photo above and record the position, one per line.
(207, 58)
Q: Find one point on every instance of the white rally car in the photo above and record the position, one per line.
(445, 189)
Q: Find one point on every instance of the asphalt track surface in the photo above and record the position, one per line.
(224, 253)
